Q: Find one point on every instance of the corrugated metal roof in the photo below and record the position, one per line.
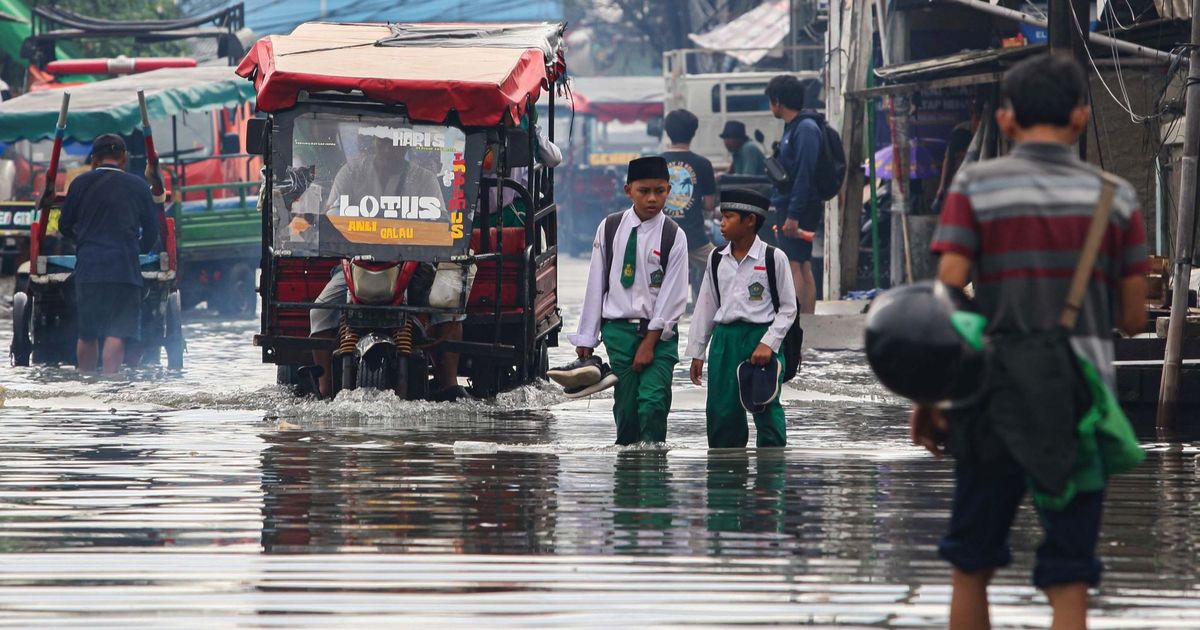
(752, 35)
(976, 60)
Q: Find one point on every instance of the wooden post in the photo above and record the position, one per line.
(1168, 397)
(857, 39)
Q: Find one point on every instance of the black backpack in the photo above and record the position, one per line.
(794, 340)
(670, 230)
(831, 168)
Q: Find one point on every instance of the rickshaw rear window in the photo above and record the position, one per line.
(355, 184)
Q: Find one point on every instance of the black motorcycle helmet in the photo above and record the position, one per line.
(925, 342)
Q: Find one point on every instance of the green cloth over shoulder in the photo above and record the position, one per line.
(1106, 444)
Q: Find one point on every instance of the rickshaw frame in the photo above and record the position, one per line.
(491, 363)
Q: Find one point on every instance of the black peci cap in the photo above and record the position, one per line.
(654, 167)
(743, 200)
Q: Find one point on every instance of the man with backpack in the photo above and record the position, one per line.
(746, 308)
(637, 289)
(799, 196)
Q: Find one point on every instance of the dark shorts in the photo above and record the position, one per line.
(985, 504)
(109, 309)
(799, 250)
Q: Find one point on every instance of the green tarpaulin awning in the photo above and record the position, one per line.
(112, 107)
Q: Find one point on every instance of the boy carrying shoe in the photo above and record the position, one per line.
(637, 289)
(747, 304)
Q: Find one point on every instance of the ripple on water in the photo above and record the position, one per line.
(213, 498)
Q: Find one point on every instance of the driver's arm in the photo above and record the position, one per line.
(148, 216)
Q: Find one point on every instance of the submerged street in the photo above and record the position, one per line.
(213, 498)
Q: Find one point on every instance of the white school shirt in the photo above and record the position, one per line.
(745, 296)
(662, 306)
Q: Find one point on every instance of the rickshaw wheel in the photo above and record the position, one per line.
(543, 361)
(22, 345)
(173, 341)
(375, 375)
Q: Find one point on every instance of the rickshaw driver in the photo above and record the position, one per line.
(376, 170)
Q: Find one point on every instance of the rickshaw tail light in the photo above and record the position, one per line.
(375, 286)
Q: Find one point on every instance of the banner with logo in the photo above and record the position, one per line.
(379, 187)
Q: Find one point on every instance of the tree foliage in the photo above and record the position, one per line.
(118, 10)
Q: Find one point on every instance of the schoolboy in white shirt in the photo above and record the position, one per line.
(637, 289)
(745, 315)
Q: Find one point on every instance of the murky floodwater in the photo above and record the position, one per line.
(215, 499)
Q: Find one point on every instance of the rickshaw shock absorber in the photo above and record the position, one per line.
(403, 338)
(349, 339)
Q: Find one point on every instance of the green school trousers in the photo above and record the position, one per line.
(641, 401)
(731, 344)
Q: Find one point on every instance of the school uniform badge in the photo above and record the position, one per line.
(756, 291)
(656, 279)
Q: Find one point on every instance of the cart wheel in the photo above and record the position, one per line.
(543, 361)
(286, 375)
(174, 343)
(418, 377)
(22, 345)
(289, 376)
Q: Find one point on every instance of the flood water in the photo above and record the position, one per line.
(213, 498)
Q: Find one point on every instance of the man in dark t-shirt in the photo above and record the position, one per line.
(112, 217)
(693, 197)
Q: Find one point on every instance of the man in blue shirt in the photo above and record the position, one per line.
(105, 211)
(799, 207)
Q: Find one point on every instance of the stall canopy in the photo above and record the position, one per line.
(112, 106)
(752, 35)
(481, 72)
(624, 99)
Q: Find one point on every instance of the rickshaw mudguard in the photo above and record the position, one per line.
(371, 344)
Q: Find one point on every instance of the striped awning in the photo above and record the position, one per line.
(752, 35)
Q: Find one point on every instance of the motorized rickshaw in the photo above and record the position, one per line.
(199, 115)
(43, 305)
(396, 153)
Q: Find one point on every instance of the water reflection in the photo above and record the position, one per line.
(379, 513)
(322, 496)
(739, 502)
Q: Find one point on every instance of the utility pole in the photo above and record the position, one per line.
(1168, 396)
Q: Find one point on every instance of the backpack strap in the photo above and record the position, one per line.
(611, 223)
(714, 264)
(670, 231)
(772, 285)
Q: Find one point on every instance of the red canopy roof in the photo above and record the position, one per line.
(625, 99)
(481, 71)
